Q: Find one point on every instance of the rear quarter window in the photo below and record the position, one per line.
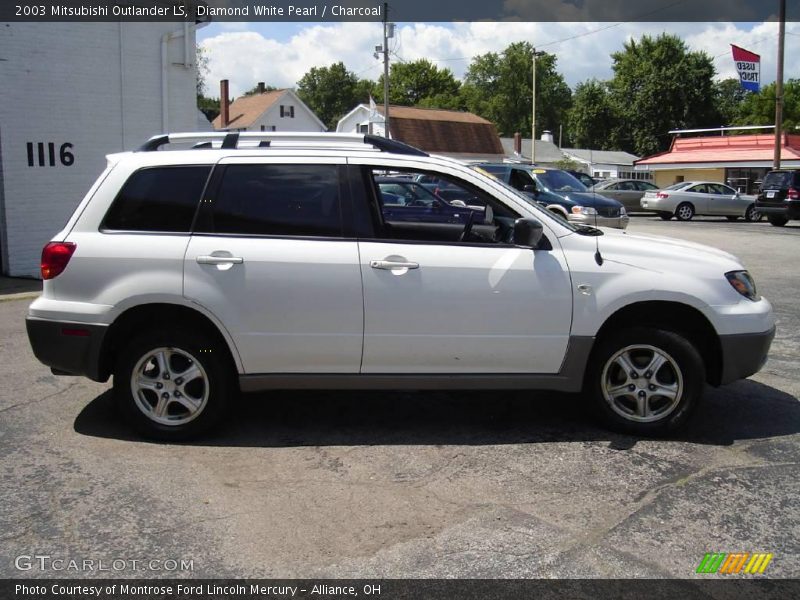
(158, 199)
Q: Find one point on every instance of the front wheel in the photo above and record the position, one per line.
(645, 381)
(751, 215)
(173, 384)
(665, 216)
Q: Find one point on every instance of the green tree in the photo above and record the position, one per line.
(330, 92)
(728, 98)
(418, 82)
(498, 87)
(592, 119)
(659, 85)
(209, 106)
(759, 108)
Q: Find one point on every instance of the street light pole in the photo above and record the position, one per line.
(386, 68)
(776, 162)
(533, 106)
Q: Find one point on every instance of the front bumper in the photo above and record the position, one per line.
(67, 348)
(744, 354)
(620, 222)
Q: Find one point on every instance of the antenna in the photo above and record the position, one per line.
(598, 258)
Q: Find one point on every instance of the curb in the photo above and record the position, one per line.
(20, 296)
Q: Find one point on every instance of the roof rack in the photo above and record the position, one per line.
(230, 141)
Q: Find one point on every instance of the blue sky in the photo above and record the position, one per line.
(280, 53)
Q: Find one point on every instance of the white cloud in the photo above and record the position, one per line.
(246, 57)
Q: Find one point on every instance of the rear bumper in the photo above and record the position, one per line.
(790, 210)
(67, 348)
(744, 354)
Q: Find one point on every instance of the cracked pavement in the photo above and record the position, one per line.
(400, 484)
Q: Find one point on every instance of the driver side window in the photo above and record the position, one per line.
(425, 207)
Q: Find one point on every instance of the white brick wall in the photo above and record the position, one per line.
(94, 85)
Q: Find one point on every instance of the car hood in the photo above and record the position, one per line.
(588, 199)
(646, 251)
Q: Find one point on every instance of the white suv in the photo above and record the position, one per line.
(271, 261)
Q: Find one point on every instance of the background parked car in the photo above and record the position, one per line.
(584, 178)
(686, 199)
(561, 193)
(406, 200)
(779, 196)
(627, 191)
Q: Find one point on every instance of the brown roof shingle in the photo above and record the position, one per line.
(246, 109)
(437, 130)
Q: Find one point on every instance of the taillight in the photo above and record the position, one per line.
(662, 195)
(793, 194)
(55, 257)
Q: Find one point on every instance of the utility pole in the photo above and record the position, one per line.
(533, 106)
(386, 35)
(776, 162)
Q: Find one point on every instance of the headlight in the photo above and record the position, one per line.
(743, 283)
(622, 211)
(584, 210)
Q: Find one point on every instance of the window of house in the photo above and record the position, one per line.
(158, 199)
(284, 200)
(363, 128)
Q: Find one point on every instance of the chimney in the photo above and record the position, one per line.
(518, 143)
(547, 136)
(224, 100)
(261, 87)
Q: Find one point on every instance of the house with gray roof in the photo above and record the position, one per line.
(605, 164)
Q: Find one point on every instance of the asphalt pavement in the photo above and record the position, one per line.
(402, 484)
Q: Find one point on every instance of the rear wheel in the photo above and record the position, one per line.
(684, 212)
(751, 214)
(173, 384)
(666, 216)
(777, 221)
(645, 381)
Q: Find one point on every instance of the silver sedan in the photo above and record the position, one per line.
(627, 191)
(686, 199)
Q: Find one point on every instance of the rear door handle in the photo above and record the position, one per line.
(220, 260)
(388, 265)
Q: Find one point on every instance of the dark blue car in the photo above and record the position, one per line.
(404, 200)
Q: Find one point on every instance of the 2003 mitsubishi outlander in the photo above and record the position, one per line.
(204, 264)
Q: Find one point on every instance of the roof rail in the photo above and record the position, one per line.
(230, 140)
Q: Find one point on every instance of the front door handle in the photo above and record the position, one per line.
(388, 265)
(220, 260)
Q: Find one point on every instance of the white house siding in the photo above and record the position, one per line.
(302, 121)
(96, 86)
(355, 119)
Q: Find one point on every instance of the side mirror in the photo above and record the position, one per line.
(531, 189)
(528, 232)
(458, 203)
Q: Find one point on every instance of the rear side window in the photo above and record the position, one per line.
(286, 200)
(158, 199)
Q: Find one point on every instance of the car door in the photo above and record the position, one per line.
(725, 201)
(698, 196)
(438, 306)
(268, 259)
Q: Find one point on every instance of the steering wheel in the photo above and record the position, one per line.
(468, 226)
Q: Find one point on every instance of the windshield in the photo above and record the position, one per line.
(678, 186)
(558, 181)
(526, 198)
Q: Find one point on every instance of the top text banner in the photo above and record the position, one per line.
(398, 10)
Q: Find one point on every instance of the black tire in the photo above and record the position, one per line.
(666, 216)
(212, 390)
(777, 221)
(684, 370)
(684, 211)
(751, 215)
(732, 218)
